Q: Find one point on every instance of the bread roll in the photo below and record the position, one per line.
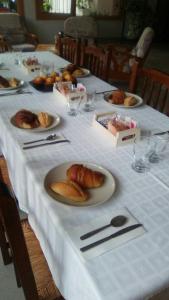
(26, 119)
(130, 101)
(117, 97)
(85, 177)
(70, 190)
(4, 82)
(45, 119)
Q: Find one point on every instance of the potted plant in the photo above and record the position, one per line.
(46, 5)
(83, 7)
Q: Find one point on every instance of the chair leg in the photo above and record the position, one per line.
(18, 281)
(4, 245)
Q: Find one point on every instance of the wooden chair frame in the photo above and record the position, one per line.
(154, 87)
(68, 48)
(96, 60)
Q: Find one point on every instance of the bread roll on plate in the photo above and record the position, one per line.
(70, 190)
(45, 119)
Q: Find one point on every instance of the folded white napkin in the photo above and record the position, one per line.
(75, 233)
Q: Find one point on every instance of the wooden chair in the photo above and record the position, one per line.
(96, 60)
(68, 48)
(123, 58)
(153, 86)
(31, 268)
(15, 34)
(3, 45)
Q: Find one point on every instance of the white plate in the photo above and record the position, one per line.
(86, 73)
(20, 84)
(139, 100)
(55, 122)
(97, 195)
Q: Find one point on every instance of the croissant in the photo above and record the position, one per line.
(70, 190)
(87, 178)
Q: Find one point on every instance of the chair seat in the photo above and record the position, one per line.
(45, 285)
(24, 47)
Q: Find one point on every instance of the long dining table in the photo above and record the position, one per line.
(134, 270)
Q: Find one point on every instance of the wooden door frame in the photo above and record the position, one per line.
(20, 7)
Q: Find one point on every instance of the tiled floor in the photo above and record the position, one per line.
(158, 58)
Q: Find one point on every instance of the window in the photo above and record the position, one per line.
(61, 9)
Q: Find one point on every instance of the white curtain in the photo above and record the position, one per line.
(61, 6)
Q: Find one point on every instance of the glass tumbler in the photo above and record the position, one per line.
(89, 104)
(141, 148)
(73, 102)
(158, 145)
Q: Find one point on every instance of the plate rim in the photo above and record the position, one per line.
(21, 83)
(39, 129)
(85, 204)
(140, 102)
(84, 75)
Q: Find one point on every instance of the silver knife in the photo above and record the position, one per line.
(161, 133)
(46, 144)
(118, 233)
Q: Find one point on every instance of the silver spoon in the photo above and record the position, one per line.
(115, 222)
(50, 137)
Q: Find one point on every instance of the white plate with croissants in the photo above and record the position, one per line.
(35, 121)
(80, 184)
(7, 84)
(123, 99)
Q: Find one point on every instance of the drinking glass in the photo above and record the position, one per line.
(141, 148)
(89, 104)
(158, 144)
(73, 101)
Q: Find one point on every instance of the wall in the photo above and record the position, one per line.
(46, 30)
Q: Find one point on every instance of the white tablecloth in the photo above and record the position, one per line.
(132, 271)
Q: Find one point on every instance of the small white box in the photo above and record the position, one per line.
(122, 137)
(64, 96)
(31, 68)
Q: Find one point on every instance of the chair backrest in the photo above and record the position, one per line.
(9, 217)
(81, 27)
(68, 48)
(153, 86)
(142, 47)
(96, 60)
(12, 28)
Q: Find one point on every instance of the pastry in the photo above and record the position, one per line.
(117, 97)
(44, 119)
(4, 82)
(13, 82)
(26, 119)
(84, 176)
(130, 101)
(78, 72)
(70, 190)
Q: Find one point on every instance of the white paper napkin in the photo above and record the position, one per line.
(75, 233)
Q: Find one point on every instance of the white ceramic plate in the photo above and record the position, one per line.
(20, 84)
(139, 100)
(86, 73)
(97, 195)
(55, 122)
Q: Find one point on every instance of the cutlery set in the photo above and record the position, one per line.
(114, 235)
(18, 92)
(46, 144)
(50, 140)
(117, 221)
